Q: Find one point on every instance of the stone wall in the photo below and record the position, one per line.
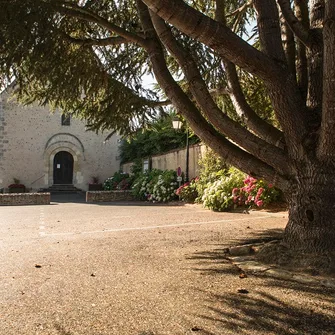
(17, 199)
(176, 158)
(108, 196)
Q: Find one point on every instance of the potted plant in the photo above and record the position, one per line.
(17, 187)
(95, 185)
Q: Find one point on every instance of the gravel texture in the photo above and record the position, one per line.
(98, 269)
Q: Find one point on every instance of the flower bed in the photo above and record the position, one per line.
(109, 196)
(19, 199)
(95, 187)
(16, 188)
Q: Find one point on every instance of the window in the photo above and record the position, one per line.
(66, 119)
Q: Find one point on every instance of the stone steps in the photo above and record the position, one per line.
(62, 189)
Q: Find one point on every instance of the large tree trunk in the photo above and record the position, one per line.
(311, 226)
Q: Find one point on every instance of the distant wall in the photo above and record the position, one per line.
(176, 158)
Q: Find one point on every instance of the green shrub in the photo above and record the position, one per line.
(155, 185)
(188, 191)
(119, 181)
(142, 186)
(211, 168)
(218, 194)
(164, 187)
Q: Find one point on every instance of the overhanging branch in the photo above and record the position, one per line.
(216, 36)
(230, 152)
(96, 42)
(240, 135)
(81, 13)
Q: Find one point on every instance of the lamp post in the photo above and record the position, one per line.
(176, 124)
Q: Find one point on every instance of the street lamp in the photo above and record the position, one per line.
(176, 124)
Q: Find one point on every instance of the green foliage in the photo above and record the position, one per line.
(211, 168)
(61, 53)
(45, 48)
(218, 194)
(155, 185)
(188, 192)
(157, 138)
(255, 193)
(143, 184)
(119, 181)
(136, 167)
(235, 189)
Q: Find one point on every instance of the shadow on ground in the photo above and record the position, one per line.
(274, 307)
(264, 313)
(81, 198)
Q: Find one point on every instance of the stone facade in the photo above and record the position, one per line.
(109, 196)
(30, 138)
(19, 199)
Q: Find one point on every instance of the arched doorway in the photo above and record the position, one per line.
(63, 168)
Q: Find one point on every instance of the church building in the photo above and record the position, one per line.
(42, 149)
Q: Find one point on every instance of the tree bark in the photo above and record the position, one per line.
(311, 210)
(327, 138)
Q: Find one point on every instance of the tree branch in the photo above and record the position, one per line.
(284, 91)
(285, 96)
(241, 9)
(294, 23)
(222, 122)
(301, 10)
(216, 36)
(97, 42)
(81, 13)
(246, 113)
(230, 152)
(269, 29)
(263, 129)
(288, 44)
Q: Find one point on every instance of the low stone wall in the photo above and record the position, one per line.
(17, 199)
(108, 196)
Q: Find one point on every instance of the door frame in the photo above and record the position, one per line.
(49, 162)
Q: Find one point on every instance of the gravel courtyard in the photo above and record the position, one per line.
(98, 269)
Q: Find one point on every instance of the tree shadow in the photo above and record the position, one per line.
(274, 307)
(263, 312)
(261, 237)
(215, 261)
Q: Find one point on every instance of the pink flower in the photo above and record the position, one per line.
(270, 185)
(260, 191)
(235, 191)
(259, 203)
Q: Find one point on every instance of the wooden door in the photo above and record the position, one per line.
(63, 168)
